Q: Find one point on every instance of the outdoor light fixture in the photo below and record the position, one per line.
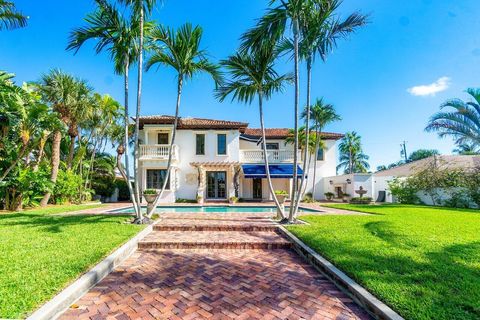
(349, 181)
(331, 181)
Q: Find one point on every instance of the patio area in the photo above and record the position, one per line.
(215, 266)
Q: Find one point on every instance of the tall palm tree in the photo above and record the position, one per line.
(286, 16)
(181, 51)
(467, 149)
(322, 114)
(352, 158)
(252, 75)
(10, 17)
(140, 9)
(117, 35)
(461, 123)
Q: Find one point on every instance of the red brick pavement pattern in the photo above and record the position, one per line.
(215, 284)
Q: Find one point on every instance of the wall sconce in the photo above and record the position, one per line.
(349, 181)
(331, 181)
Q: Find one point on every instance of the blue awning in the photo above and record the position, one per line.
(277, 171)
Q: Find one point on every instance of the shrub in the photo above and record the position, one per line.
(458, 199)
(149, 191)
(281, 192)
(361, 200)
(67, 187)
(123, 193)
(329, 195)
(179, 200)
(404, 191)
(233, 199)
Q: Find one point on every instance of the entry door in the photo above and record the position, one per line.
(257, 188)
(216, 184)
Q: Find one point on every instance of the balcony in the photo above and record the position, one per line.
(158, 152)
(274, 156)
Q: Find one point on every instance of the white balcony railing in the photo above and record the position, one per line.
(158, 152)
(274, 156)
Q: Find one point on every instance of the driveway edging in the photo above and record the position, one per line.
(63, 300)
(359, 294)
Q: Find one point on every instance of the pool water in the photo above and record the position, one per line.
(213, 209)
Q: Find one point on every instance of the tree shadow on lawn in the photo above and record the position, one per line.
(441, 284)
(55, 223)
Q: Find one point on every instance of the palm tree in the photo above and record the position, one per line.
(467, 149)
(181, 51)
(10, 18)
(322, 114)
(462, 123)
(65, 94)
(117, 35)
(267, 33)
(352, 158)
(140, 8)
(320, 32)
(252, 75)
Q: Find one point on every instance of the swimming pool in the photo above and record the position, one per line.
(213, 209)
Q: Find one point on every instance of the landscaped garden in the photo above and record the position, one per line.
(42, 252)
(422, 261)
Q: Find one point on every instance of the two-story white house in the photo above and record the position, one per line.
(217, 159)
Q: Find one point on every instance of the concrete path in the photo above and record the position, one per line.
(205, 266)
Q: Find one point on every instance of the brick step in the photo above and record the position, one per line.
(215, 227)
(213, 240)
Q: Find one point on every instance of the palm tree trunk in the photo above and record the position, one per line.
(317, 146)
(306, 163)
(265, 156)
(126, 175)
(41, 150)
(172, 142)
(57, 139)
(137, 116)
(71, 151)
(291, 216)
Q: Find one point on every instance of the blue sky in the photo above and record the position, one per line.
(432, 43)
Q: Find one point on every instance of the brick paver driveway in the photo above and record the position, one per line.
(168, 278)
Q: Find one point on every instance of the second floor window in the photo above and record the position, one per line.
(200, 144)
(221, 144)
(320, 155)
(162, 138)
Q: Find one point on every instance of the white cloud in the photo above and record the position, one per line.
(440, 85)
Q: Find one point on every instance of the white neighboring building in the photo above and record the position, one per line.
(217, 159)
(376, 184)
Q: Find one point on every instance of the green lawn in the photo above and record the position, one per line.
(41, 253)
(422, 261)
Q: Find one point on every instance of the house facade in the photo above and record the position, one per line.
(215, 159)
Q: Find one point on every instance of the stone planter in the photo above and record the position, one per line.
(345, 197)
(150, 198)
(281, 200)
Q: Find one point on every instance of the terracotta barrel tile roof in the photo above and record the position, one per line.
(282, 133)
(193, 123)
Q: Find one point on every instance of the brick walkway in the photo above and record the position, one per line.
(212, 274)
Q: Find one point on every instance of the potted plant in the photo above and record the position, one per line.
(233, 200)
(329, 195)
(150, 195)
(281, 196)
(345, 197)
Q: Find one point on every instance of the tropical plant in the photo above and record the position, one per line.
(119, 36)
(352, 158)
(467, 149)
(461, 122)
(321, 114)
(251, 74)
(102, 181)
(422, 154)
(67, 96)
(404, 191)
(10, 17)
(181, 51)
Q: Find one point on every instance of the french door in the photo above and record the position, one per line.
(216, 184)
